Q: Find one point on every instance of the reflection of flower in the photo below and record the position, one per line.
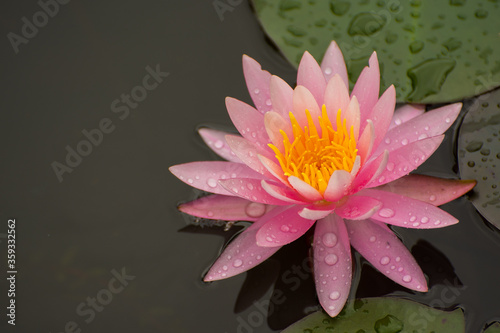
(316, 153)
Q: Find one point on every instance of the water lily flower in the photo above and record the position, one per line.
(317, 154)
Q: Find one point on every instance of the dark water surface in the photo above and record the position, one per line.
(105, 250)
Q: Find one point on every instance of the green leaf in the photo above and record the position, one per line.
(494, 328)
(432, 51)
(479, 153)
(382, 315)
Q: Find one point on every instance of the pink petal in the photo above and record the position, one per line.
(333, 63)
(283, 228)
(205, 175)
(274, 169)
(248, 121)
(405, 113)
(358, 207)
(251, 189)
(257, 83)
(310, 76)
(431, 123)
(303, 100)
(377, 244)
(281, 96)
(336, 97)
(367, 88)
(282, 193)
(382, 114)
(304, 189)
(338, 185)
(370, 172)
(332, 263)
(243, 253)
(433, 190)
(223, 207)
(353, 117)
(217, 142)
(316, 212)
(366, 141)
(247, 152)
(275, 123)
(404, 160)
(409, 213)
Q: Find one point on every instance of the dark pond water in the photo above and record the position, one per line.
(102, 248)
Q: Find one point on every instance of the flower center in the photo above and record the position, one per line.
(312, 156)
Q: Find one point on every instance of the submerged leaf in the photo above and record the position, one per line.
(383, 315)
(432, 51)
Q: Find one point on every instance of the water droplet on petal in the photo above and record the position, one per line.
(432, 198)
(422, 136)
(190, 181)
(447, 120)
(211, 182)
(237, 263)
(404, 142)
(390, 166)
(285, 228)
(424, 219)
(334, 295)
(387, 140)
(269, 239)
(437, 222)
(268, 102)
(329, 239)
(331, 259)
(328, 71)
(386, 212)
(256, 91)
(407, 278)
(398, 259)
(373, 239)
(255, 209)
(218, 144)
(384, 260)
(210, 213)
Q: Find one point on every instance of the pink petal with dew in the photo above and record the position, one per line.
(367, 88)
(405, 113)
(366, 141)
(282, 192)
(382, 114)
(377, 244)
(404, 160)
(332, 263)
(433, 190)
(257, 83)
(274, 169)
(275, 123)
(310, 76)
(370, 172)
(353, 117)
(358, 207)
(336, 98)
(247, 152)
(304, 189)
(251, 189)
(243, 253)
(217, 142)
(283, 228)
(303, 100)
(248, 121)
(333, 63)
(281, 96)
(409, 213)
(223, 207)
(314, 212)
(338, 185)
(431, 123)
(205, 175)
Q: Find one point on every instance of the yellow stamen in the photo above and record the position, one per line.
(313, 157)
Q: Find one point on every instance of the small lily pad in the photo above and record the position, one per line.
(382, 315)
(432, 51)
(494, 328)
(479, 153)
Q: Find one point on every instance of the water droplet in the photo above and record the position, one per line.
(373, 239)
(328, 71)
(329, 239)
(211, 182)
(268, 102)
(471, 164)
(398, 121)
(386, 212)
(437, 222)
(384, 260)
(404, 142)
(447, 120)
(218, 144)
(339, 7)
(224, 267)
(381, 179)
(428, 77)
(210, 213)
(416, 46)
(256, 91)
(485, 152)
(366, 24)
(432, 198)
(474, 146)
(407, 278)
(398, 259)
(390, 166)
(387, 140)
(481, 13)
(422, 136)
(334, 295)
(269, 239)
(190, 181)
(285, 228)
(331, 259)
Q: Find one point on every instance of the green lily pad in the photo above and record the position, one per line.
(479, 153)
(432, 51)
(494, 328)
(382, 315)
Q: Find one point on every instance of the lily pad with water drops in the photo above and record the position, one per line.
(432, 51)
(479, 153)
(383, 315)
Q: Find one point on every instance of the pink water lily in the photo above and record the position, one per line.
(317, 154)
